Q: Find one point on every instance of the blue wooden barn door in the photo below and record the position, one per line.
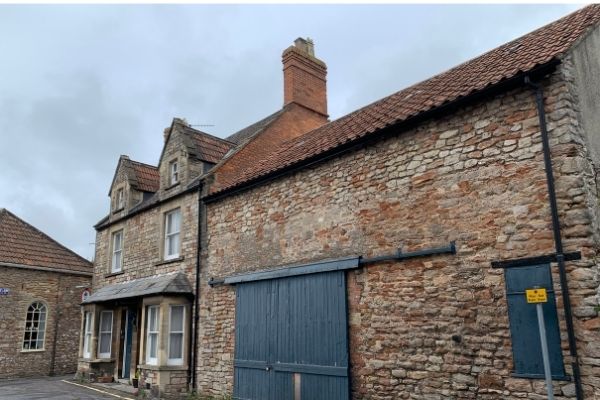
(291, 338)
(526, 347)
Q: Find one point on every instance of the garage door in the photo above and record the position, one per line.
(291, 338)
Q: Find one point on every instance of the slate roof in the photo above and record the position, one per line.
(174, 283)
(147, 178)
(23, 244)
(521, 55)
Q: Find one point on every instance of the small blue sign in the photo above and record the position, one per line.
(4, 291)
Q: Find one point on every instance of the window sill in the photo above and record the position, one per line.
(98, 360)
(174, 185)
(163, 367)
(32, 350)
(172, 260)
(113, 274)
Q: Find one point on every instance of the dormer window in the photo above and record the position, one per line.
(173, 172)
(120, 199)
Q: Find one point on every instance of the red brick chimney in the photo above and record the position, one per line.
(304, 77)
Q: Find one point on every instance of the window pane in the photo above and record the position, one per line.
(176, 220)
(88, 322)
(106, 321)
(105, 343)
(175, 345)
(176, 319)
(173, 244)
(117, 261)
(153, 318)
(169, 223)
(153, 344)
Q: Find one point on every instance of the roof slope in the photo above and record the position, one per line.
(249, 131)
(21, 243)
(207, 147)
(294, 120)
(173, 283)
(147, 178)
(521, 55)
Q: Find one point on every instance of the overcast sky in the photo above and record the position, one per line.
(80, 85)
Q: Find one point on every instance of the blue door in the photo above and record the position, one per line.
(292, 339)
(524, 330)
(130, 317)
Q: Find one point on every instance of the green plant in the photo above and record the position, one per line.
(142, 393)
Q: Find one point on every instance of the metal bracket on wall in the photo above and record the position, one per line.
(330, 265)
(529, 261)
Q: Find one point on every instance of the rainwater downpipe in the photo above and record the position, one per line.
(196, 313)
(560, 258)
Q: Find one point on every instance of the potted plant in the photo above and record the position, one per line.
(136, 379)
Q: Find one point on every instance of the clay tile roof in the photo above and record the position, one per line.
(147, 176)
(207, 147)
(249, 131)
(23, 244)
(521, 55)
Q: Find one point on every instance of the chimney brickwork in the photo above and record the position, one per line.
(304, 77)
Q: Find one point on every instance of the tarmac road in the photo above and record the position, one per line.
(50, 388)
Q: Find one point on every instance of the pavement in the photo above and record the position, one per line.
(56, 388)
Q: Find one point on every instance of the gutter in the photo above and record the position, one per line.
(560, 255)
(47, 269)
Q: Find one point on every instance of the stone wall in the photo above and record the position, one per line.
(143, 244)
(61, 295)
(476, 177)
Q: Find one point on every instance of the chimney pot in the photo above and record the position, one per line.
(305, 45)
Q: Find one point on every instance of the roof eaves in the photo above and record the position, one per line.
(348, 145)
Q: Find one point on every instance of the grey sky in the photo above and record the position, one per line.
(80, 85)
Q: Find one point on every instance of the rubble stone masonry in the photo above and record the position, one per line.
(61, 293)
(475, 176)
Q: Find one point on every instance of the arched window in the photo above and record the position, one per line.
(35, 327)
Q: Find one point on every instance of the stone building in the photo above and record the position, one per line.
(386, 254)
(139, 316)
(41, 285)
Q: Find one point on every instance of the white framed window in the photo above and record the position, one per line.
(176, 336)
(117, 252)
(105, 334)
(173, 172)
(152, 336)
(35, 327)
(120, 200)
(172, 233)
(87, 335)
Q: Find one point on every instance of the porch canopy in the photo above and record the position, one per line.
(174, 283)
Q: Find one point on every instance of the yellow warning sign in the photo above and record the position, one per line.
(536, 295)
